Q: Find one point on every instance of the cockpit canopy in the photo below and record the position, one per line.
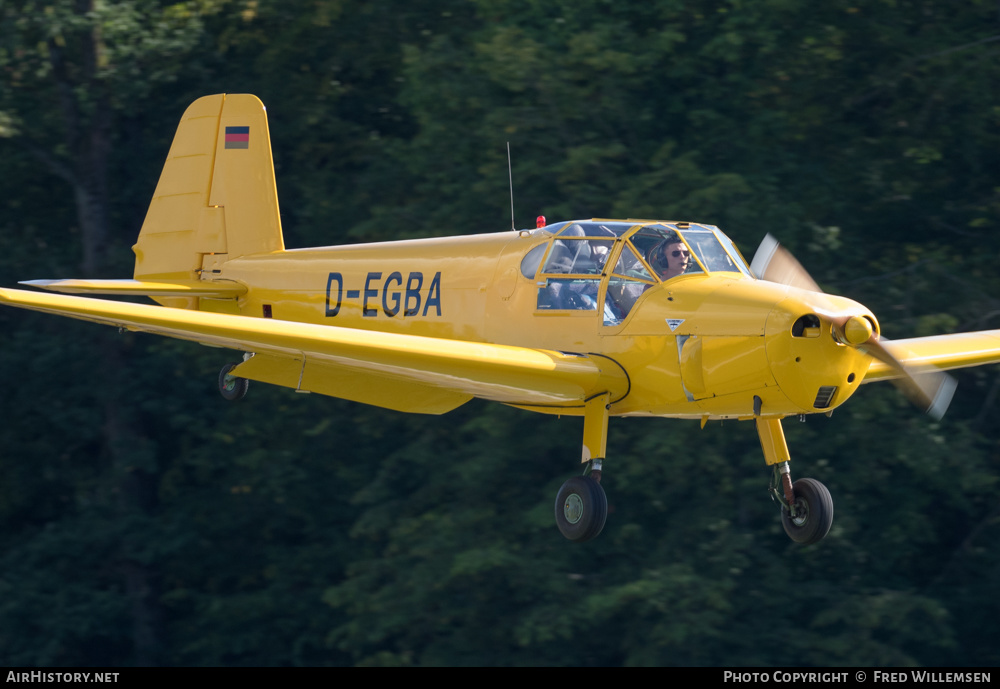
(587, 261)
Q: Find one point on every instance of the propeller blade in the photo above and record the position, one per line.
(774, 263)
(931, 390)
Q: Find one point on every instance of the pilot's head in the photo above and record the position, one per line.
(670, 258)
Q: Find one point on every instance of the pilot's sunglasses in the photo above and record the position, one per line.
(678, 253)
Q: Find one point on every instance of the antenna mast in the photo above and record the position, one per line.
(510, 176)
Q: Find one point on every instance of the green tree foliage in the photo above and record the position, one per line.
(70, 67)
(145, 520)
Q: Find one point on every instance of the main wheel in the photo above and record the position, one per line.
(813, 512)
(233, 388)
(581, 508)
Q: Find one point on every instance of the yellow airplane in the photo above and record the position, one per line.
(593, 318)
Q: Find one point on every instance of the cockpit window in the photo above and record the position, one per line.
(531, 261)
(629, 281)
(608, 230)
(577, 256)
(568, 294)
(737, 257)
(665, 251)
(709, 249)
(629, 265)
(580, 252)
(607, 266)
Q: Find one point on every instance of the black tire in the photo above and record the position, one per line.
(581, 509)
(233, 388)
(813, 512)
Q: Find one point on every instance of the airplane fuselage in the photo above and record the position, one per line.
(703, 345)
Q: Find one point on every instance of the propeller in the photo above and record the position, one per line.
(927, 387)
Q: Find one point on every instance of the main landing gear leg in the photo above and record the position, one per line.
(806, 505)
(233, 388)
(581, 505)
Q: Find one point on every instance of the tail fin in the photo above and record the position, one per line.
(216, 198)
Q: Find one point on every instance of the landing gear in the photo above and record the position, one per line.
(233, 388)
(581, 505)
(581, 508)
(813, 512)
(806, 505)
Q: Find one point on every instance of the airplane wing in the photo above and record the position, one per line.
(941, 352)
(405, 372)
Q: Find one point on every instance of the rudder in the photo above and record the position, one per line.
(216, 198)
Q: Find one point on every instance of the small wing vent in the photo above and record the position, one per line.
(825, 396)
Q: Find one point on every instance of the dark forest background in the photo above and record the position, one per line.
(146, 521)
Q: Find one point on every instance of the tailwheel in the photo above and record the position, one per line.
(233, 388)
(813, 512)
(581, 508)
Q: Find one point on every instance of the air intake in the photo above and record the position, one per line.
(825, 396)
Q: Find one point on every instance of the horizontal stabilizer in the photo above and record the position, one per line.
(145, 288)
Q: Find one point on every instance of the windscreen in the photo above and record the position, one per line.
(710, 250)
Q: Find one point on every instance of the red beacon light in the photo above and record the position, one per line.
(540, 221)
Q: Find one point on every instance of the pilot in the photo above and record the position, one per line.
(670, 258)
